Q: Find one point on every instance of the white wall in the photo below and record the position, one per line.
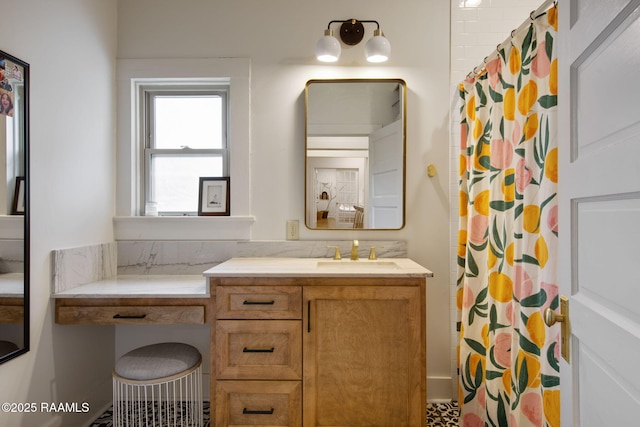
(71, 46)
(279, 37)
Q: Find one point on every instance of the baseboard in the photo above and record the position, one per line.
(439, 389)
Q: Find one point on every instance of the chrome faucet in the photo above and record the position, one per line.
(354, 250)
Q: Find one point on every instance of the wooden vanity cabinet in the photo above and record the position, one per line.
(360, 361)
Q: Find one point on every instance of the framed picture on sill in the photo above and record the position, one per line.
(214, 196)
(18, 197)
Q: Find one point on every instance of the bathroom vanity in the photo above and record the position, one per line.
(294, 341)
(318, 342)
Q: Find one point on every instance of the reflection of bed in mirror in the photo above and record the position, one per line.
(355, 153)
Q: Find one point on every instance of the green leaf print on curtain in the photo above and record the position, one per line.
(507, 239)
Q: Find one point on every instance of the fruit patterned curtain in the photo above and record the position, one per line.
(507, 241)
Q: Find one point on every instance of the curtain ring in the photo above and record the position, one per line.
(531, 15)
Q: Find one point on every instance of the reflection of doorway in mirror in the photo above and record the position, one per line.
(322, 178)
(337, 194)
(347, 196)
(325, 195)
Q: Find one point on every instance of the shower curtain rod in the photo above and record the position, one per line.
(541, 10)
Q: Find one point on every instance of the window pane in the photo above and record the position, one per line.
(194, 121)
(176, 180)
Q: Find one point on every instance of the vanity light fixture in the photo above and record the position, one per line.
(352, 31)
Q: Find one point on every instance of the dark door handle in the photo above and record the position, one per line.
(258, 302)
(131, 316)
(246, 411)
(258, 350)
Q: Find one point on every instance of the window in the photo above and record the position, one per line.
(185, 138)
(135, 77)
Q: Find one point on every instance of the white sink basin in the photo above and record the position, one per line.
(363, 264)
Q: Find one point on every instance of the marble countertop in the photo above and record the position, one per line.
(141, 286)
(318, 267)
(195, 286)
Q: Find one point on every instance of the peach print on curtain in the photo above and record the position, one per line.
(508, 358)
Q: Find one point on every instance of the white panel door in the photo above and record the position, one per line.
(386, 164)
(599, 190)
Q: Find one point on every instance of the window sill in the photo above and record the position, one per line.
(12, 227)
(183, 227)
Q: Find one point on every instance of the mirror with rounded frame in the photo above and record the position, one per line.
(355, 154)
(14, 208)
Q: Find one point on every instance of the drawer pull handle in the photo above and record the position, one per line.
(259, 302)
(258, 350)
(246, 411)
(131, 316)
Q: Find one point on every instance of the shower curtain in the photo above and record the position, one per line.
(508, 359)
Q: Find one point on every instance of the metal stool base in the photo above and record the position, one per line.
(167, 402)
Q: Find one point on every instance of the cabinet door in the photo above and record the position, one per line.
(364, 356)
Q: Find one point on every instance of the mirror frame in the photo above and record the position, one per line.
(403, 100)
(26, 229)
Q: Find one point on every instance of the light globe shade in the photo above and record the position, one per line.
(328, 48)
(378, 48)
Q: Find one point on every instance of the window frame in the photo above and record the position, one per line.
(129, 221)
(148, 94)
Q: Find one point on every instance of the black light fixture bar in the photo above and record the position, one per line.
(352, 30)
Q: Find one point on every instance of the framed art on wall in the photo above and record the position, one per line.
(214, 196)
(18, 197)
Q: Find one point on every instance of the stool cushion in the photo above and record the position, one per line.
(157, 361)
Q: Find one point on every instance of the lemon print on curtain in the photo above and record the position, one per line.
(507, 241)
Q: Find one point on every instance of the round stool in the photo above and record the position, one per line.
(158, 385)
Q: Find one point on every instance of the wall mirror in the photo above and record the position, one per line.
(355, 154)
(14, 207)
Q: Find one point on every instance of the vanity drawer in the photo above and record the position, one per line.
(131, 315)
(11, 310)
(258, 302)
(258, 403)
(255, 349)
